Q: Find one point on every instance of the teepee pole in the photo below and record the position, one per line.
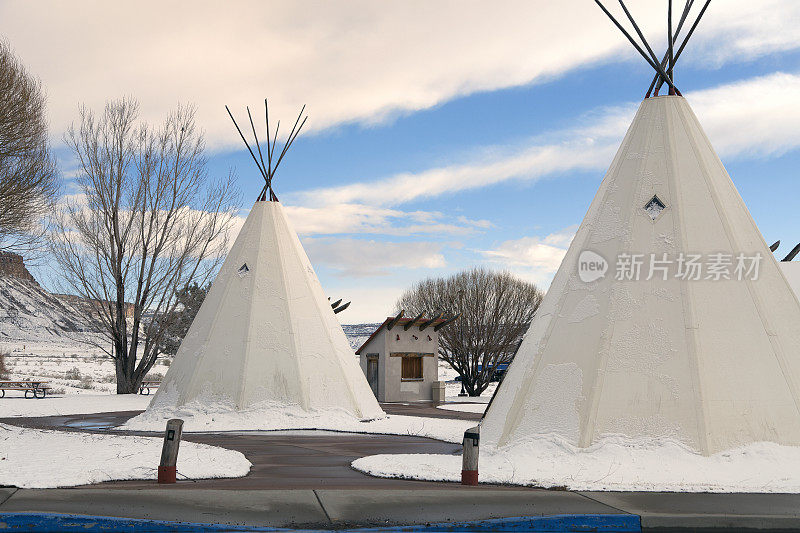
(687, 8)
(656, 66)
(245, 141)
(654, 60)
(269, 152)
(686, 40)
(267, 169)
(792, 254)
(292, 136)
(669, 39)
(255, 136)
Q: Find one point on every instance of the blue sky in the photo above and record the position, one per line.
(441, 135)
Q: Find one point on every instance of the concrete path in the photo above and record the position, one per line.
(337, 509)
(305, 480)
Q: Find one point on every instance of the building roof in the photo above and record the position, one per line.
(401, 322)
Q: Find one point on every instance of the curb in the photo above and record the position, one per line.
(36, 522)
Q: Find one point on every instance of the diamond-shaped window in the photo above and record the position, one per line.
(243, 270)
(654, 207)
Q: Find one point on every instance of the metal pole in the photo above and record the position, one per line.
(461, 337)
(469, 456)
(167, 470)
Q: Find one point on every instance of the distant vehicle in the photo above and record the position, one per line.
(497, 375)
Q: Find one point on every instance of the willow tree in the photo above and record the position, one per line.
(494, 311)
(147, 223)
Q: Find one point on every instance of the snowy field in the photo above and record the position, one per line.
(28, 456)
(614, 464)
(69, 365)
(76, 367)
(71, 404)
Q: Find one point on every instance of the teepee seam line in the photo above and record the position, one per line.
(316, 285)
(240, 401)
(604, 345)
(687, 303)
(202, 355)
(304, 397)
(777, 348)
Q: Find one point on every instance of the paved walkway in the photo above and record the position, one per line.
(281, 460)
(305, 480)
(329, 509)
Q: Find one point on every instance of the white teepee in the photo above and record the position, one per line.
(791, 269)
(712, 363)
(266, 334)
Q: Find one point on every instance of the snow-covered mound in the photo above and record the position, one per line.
(28, 312)
(206, 414)
(28, 455)
(614, 463)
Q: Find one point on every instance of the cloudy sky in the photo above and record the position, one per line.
(441, 134)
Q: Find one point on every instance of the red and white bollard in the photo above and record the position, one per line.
(167, 470)
(469, 457)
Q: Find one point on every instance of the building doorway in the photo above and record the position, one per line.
(372, 374)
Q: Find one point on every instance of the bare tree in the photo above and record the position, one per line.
(147, 223)
(495, 310)
(28, 178)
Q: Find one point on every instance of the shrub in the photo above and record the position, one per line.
(73, 373)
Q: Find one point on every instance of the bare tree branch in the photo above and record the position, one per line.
(147, 224)
(28, 176)
(496, 310)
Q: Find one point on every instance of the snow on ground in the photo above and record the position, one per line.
(613, 464)
(27, 457)
(474, 407)
(70, 366)
(71, 404)
(201, 416)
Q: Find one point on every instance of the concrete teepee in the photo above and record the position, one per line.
(791, 269)
(702, 345)
(266, 333)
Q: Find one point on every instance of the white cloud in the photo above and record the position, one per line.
(754, 116)
(369, 304)
(343, 217)
(534, 258)
(530, 163)
(353, 60)
(361, 258)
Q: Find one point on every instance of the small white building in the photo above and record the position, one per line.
(401, 359)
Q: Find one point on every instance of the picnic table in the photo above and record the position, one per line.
(32, 388)
(145, 387)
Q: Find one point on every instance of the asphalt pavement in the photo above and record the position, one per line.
(304, 480)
